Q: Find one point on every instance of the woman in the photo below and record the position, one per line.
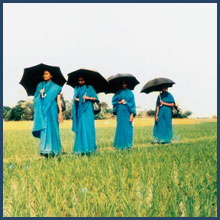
(83, 118)
(124, 107)
(163, 131)
(46, 117)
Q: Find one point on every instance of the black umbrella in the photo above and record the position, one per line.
(33, 75)
(91, 77)
(115, 82)
(157, 84)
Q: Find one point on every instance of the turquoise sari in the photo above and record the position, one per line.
(163, 131)
(124, 129)
(83, 121)
(46, 125)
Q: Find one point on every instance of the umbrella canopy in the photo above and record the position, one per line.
(33, 75)
(115, 82)
(157, 84)
(91, 77)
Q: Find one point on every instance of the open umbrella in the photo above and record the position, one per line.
(33, 75)
(93, 78)
(115, 82)
(157, 84)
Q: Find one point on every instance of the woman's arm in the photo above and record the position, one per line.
(157, 113)
(131, 117)
(167, 104)
(60, 115)
(89, 98)
(130, 103)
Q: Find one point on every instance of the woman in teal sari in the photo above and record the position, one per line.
(83, 118)
(46, 117)
(163, 131)
(124, 107)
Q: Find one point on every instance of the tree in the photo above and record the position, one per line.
(176, 113)
(20, 102)
(22, 111)
(6, 112)
(16, 113)
(187, 114)
(68, 113)
(28, 113)
(101, 114)
(104, 105)
(106, 109)
(150, 113)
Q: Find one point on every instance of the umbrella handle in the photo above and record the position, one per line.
(43, 95)
(160, 100)
(84, 99)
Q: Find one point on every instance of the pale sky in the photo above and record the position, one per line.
(177, 41)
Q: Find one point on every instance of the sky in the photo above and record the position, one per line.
(176, 41)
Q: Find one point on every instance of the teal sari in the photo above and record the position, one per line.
(46, 125)
(83, 121)
(124, 130)
(163, 131)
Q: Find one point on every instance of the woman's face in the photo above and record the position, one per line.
(164, 89)
(124, 85)
(47, 75)
(81, 81)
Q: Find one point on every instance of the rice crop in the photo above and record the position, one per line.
(173, 180)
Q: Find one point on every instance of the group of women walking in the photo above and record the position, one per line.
(48, 114)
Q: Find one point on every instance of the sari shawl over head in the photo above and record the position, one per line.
(83, 120)
(46, 125)
(124, 129)
(163, 131)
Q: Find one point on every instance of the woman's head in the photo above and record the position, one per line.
(164, 89)
(81, 81)
(124, 85)
(47, 76)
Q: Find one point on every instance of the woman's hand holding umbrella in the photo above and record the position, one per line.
(161, 102)
(42, 93)
(122, 102)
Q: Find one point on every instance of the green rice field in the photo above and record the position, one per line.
(173, 180)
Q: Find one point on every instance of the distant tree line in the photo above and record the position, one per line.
(175, 114)
(24, 110)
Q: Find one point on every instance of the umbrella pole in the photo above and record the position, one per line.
(84, 99)
(160, 99)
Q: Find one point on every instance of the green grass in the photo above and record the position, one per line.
(178, 179)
